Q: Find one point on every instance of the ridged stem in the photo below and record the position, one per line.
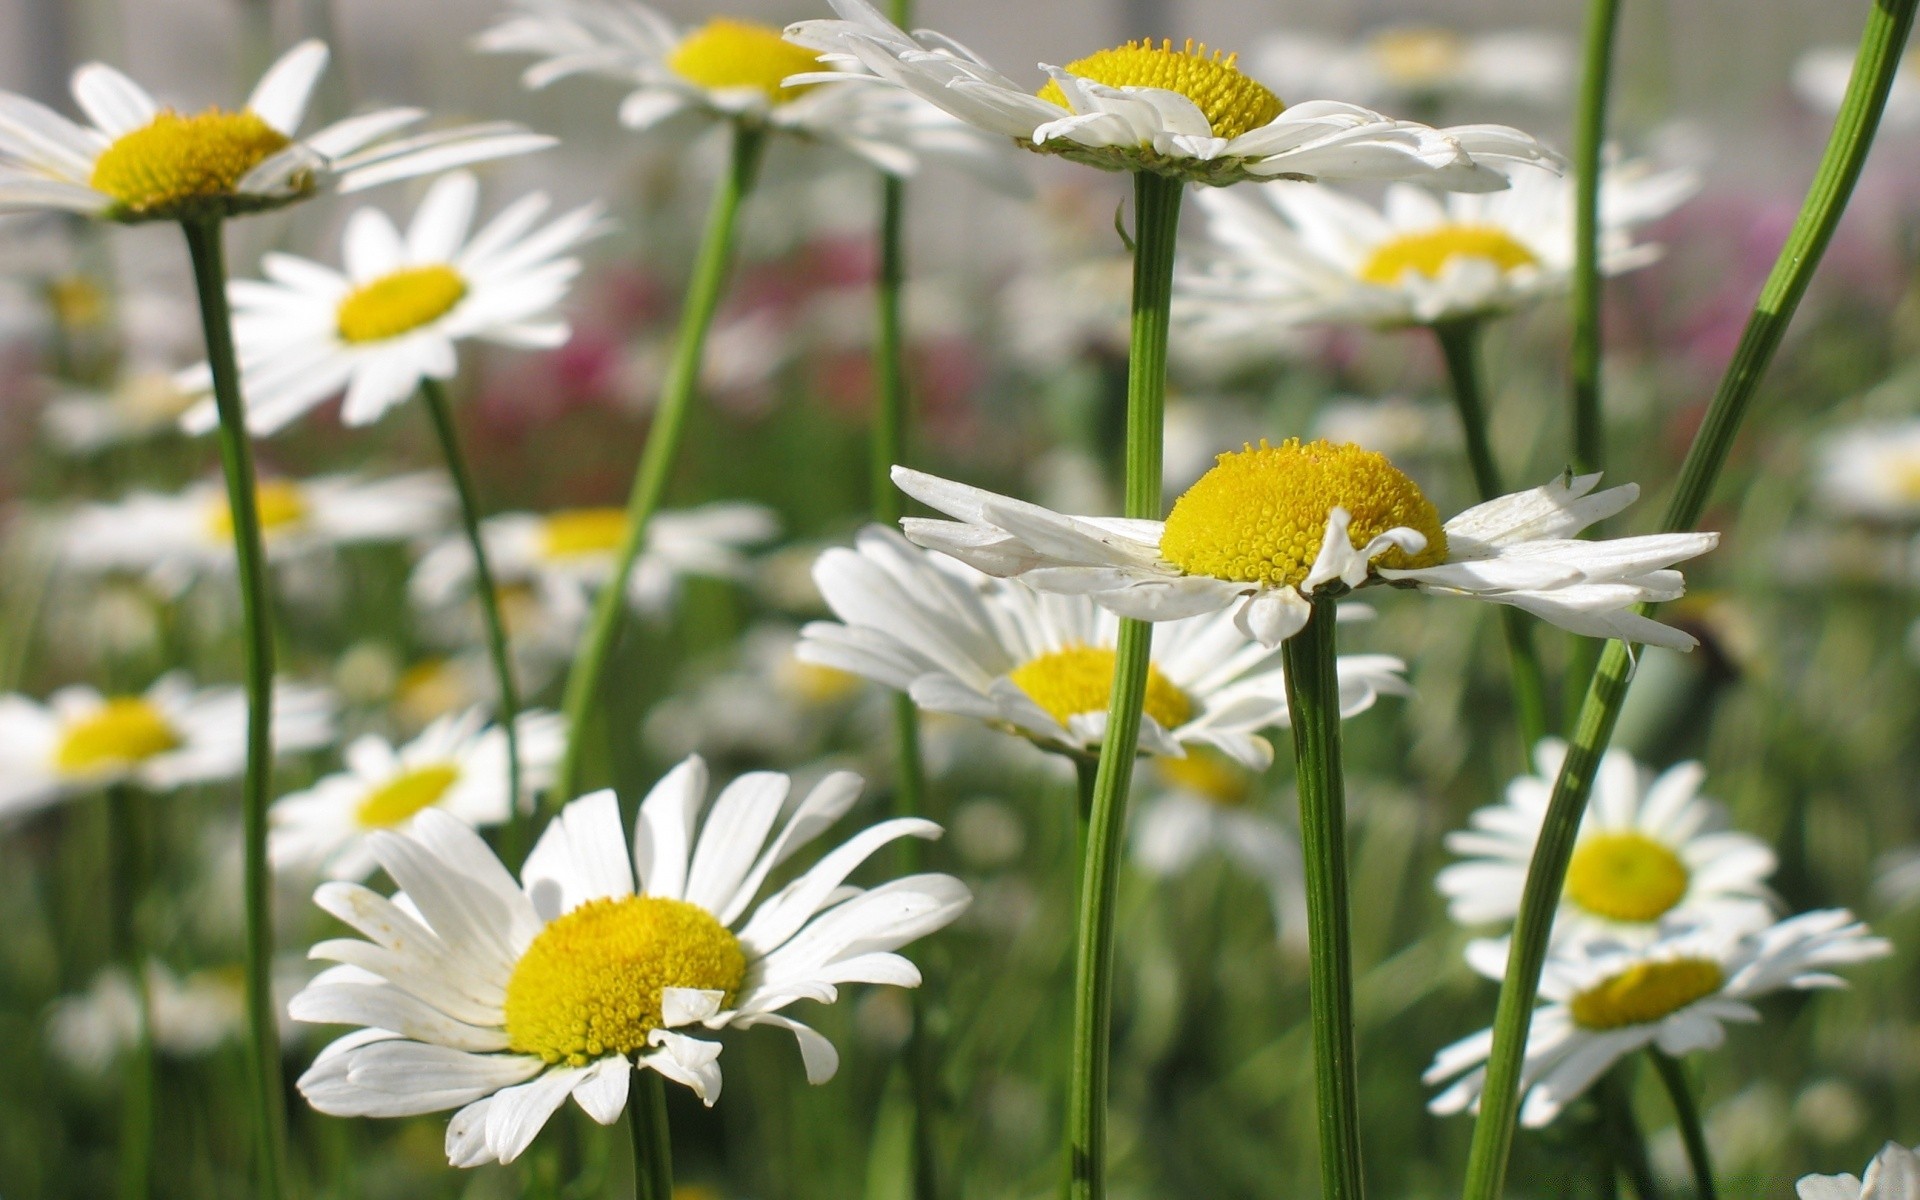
(1687, 1114)
(1590, 133)
(652, 1137)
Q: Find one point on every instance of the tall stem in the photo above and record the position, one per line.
(1590, 132)
(1460, 344)
(128, 855)
(1157, 219)
(1313, 697)
(434, 393)
(662, 446)
(1629, 1144)
(652, 1138)
(236, 461)
(1853, 130)
(1687, 1113)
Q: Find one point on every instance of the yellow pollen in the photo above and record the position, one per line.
(1208, 774)
(279, 503)
(1079, 679)
(1625, 877)
(725, 54)
(1259, 515)
(174, 158)
(123, 731)
(1646, 992)
(589, 986)
(399, 303)
(1429, 252)
(1417, 57)
(582, 532)
(406, 794)
(1233, 103)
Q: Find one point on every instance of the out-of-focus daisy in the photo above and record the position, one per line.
(393, 316)
(167, 737)
(143, 402)
(1871, 470)
(176, 538)
(189, 1016)
(1269, 526)
(509, 997)
(1894, 1174)
(1291, 253)
(1186, 112)
(1651, 852)
(1607, 1000)
(769, 704)
(1410, 64)
(143, 161)
(458, 765)
(1041, 666)
(1820, 80)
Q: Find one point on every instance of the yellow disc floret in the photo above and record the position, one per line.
(1625, 877)
(725, 54)
(1428, 253)
(406, 794)
(279, 505)
(123, 731)
(399, 303)
(1415, 57)
(1646, 992)
(1208, 774)
(1079, 679)
(1260, 514)
(1233, 103)
(175, 158)
(582, 532)
(589, 985)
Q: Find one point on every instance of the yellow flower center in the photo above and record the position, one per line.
(430, 689)
(280, 505)
(582, 532)
(1415, 57)
(406, 794)
(123, 731)
(1625, 877)
(1904, 476)
(1209, 775)
(1079, 679)
(77, 302)
(812, 683)
(589, 986)
(1232, 102)
(1646, 992)
(1259, 515)
(725, 54)
(1428, 252)
(399, 303)
(174, 158)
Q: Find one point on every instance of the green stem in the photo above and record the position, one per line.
(1687, 1113)
(236, 461)
(662, 446)
(1313, 697)
(1628, 1143)
(434, 393)
(1157, 221)
(652, 1139)
(1460, 344)
(1853, 130)
(1589, 433)
(128, 855)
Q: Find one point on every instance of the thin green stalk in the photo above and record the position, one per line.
(662, 446)
(652, 1139)
(236, 461)
(1156, 223)
(1460, 345)
(1846, 153)
(1625, 1138)
(128, 856)
(434, 394)
(1590, 132)
(1692, 1134)
(1313, 697)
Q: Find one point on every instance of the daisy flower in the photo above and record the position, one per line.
(170, 736)
(1820, 80)
(144, 401)
(1606, 1001)
(1894, 1174)
(1651, 853)
(1291, 253)
(1421, 64)
(142, 161)
(187, 1016)
(506, 998)
(392, 317)
(458, 764)
(1871, 470)
(1184, 112)
(175, 539)
(1270, 526)
(1041, 666)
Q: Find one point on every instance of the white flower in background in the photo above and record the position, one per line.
(1820, 80)
(508, 997)
(403, 302)
(1041, 666)
(767, 704)
(1652, 854)
(189, 1015)
(1414, 64)
(1291, 253)
(142, 161)
(458, 764)
(1188, 113)
(1269, 526)
(1871, 470)
(1894, 1174)
(1605, 1001)
(1396, 426)
(170, 736)
(174, 539)
(143, 402)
